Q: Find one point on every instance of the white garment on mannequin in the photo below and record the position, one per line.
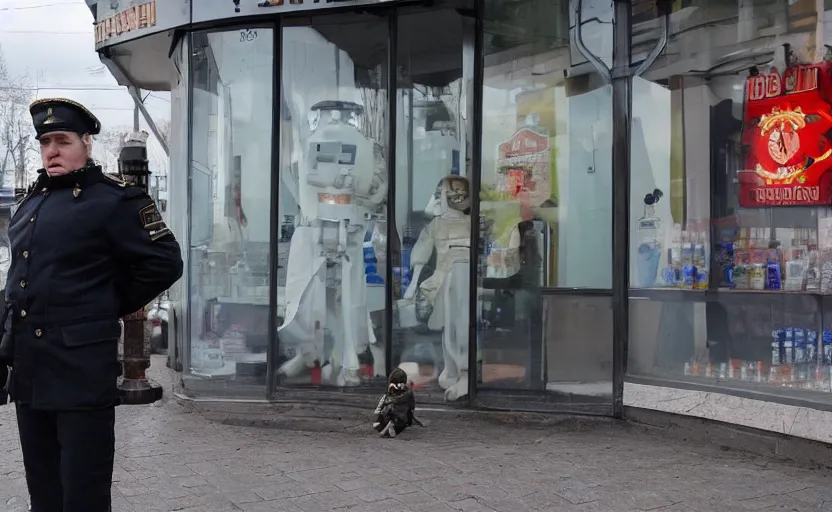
(449, 235)
(326, 287)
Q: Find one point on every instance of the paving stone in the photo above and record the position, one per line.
(373, 494)
(243, 496)
(172, 457)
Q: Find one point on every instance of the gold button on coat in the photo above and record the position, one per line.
(23, 283)
(38, 333)
(25, 254)
(22, 313)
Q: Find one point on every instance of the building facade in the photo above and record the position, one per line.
(529, 205)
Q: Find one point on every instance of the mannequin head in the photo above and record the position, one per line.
(452, 197)
(334, 113)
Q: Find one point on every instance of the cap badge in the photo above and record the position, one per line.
(49, 117)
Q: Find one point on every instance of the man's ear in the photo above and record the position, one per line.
(87, 140)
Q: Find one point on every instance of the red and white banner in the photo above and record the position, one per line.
(787, 136)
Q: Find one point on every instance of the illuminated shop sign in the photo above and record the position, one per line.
(786, 135)
(126, 21)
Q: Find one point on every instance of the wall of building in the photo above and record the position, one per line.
(683, 144)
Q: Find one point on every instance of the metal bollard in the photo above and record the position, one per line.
(134, 386)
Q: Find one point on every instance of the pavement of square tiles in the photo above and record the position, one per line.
(173, 456)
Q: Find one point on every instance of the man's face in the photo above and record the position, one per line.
(63, 152)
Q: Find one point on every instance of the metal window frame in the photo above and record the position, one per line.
(621, 78)
(187, 309)
(392, 15)
(475, 183)
(273, 348)
(392, 126)
(189, 151)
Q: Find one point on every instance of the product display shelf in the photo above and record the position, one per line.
(769, 292)
(787, 395)
(726, 290)
(688, 294)
(738, 353)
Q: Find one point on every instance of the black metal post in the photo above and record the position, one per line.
(274, 235)
(135, 387)
(475, 180)
(392, 94)
(621, 101)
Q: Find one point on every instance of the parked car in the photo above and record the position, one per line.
(158, 318)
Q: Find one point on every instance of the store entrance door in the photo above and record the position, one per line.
(359, 164)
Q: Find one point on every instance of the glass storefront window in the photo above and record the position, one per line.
(230, 210)
(431, 247)
(386, 198)
(730, 186)
(545, 204)
(177, 202)
(333, 204)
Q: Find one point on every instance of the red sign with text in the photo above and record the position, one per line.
(787, 127)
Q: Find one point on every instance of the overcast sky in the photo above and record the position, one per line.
(50, 42)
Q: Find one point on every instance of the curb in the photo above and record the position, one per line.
(263, 414)
(728, 436)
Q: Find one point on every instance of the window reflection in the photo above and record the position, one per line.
(230, 206)
(433, 196)
(726, 193)
(177, 195)
(333, 203)
(545, 200)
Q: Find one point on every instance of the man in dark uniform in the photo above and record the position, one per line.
(86, 250)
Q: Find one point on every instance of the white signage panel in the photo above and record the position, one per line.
(119, 21)
(209, 10)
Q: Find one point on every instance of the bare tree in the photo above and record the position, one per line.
(15, 125)
(164, 130)
(108, 146)
(109, 142)
(374, 98)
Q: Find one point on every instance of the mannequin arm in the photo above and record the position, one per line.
(414, 282)
(420, 255)
(378, 186)
(378, 190)
(291, 182)
(423, 249)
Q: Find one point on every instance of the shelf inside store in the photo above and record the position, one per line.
(689, 294)
(786, 394)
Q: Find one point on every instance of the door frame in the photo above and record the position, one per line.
(620, 170)
(391, 12)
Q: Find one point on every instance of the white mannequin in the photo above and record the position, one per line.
(449, 234)
(342, 182)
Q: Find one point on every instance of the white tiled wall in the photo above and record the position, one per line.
(784, 419)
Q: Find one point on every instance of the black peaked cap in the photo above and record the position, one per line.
(62, 115)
